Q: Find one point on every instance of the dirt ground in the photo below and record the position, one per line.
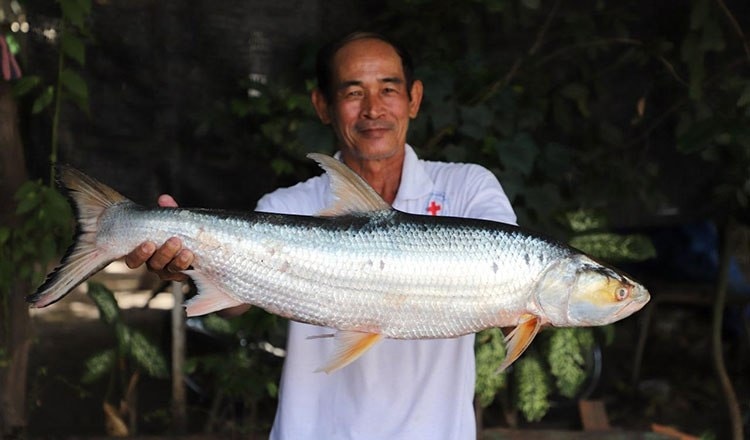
(676, 386)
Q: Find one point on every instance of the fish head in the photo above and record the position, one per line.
(580, 292)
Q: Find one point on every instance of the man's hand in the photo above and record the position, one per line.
(166, 261)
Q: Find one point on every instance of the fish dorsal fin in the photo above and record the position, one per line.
(351, 193)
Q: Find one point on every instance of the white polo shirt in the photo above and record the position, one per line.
(399, 389)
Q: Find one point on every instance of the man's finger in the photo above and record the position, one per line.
(166, 201)
(165, 254)
(181, 262)
(140, 254)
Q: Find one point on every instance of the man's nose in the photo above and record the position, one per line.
(373, 106)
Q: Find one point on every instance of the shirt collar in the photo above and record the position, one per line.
(415, 182)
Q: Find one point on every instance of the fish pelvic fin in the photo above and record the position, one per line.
(90, 199)
(519, 339)
(349, 345)
(210, 297)
(352, 194)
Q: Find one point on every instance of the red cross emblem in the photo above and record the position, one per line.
(434, 208)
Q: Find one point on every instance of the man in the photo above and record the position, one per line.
(398, 389)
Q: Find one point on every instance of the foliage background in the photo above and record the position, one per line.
(596, 116)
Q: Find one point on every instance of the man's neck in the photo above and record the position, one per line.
(383, 175)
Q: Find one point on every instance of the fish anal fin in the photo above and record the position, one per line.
(352, 194)
(210, 297)
(350, 345)
(519, 339)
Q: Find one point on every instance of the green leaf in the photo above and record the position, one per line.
(532, 388)
(281, 166)
(43, 100)
(74, 11)
(490, 350)
(555, 160)
(74, 83)
(98, 365)
(582, 220)
(105, 300)
(242, 107)
(693, 56)
(73, 47)
(579, 94)
(28, 197)
(216, 324)
(25, 85)
(85, 6)
(475, 121)
(566, 360)
(519, 153)
(13, 45)
(544, 199)
(531, 4)
(4, 235)
(615, 247)
(147, 355)
(81, 102)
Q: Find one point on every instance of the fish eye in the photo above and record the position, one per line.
(621, 293)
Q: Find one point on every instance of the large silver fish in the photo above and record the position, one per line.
(360, 267)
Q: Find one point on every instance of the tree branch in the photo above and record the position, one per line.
(508, 77)
(736, 26)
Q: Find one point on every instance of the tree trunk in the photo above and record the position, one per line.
(15, 328)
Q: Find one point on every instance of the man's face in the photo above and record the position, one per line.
(370, 108)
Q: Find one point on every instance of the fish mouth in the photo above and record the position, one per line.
(638, 300)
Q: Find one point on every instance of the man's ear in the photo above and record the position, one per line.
(321, 106)
(417, 90)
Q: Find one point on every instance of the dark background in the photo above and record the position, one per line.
(579, 105)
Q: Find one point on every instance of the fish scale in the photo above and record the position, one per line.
(326, 285)
(362, 268)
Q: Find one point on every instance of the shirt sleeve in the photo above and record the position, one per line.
(271, 203)
(485, 198)
(304, 198)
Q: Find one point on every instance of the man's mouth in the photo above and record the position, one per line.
(373, 128)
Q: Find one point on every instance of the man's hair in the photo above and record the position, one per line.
(324, 60)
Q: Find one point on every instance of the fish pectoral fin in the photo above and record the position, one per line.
(519, 339)
(210, 297)
(349, 345)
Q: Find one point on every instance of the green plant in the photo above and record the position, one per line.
(123, 364)
(42, 234)
(68, 84)
(44, 217)
(284, 124)
(245, 375)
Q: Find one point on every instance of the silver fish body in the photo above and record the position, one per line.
(401, 275)
(369, 272)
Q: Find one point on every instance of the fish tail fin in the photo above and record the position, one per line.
(90, 199)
